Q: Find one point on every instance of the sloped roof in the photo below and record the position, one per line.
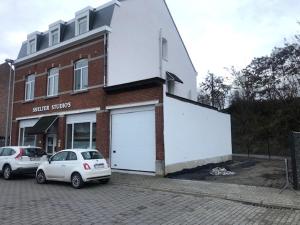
(101, 17)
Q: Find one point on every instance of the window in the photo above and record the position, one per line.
(164, 49)
(82, 25)
(54, 37)
(61, 156)
(81, 135)
(81, 75)
(91, 155)
(32, 46)
(8, 152)
(171, 86)
(29, 87)
(72, 156)
(1, 150)
(52, 88)
(26, 139)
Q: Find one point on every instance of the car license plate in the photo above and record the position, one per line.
(98, 166)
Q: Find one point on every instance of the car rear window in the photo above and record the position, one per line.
(91, 155)
(33, 152)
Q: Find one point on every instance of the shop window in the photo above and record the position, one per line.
(29, 87)
(81, 75)
(52, 87)
(26, 139)
(81, 135)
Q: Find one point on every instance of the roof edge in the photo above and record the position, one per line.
(62, 44)
(180, 36)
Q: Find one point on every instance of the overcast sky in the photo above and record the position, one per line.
(217, 33)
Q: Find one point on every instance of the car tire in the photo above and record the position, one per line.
(104, 181)
(76, 180)
(40, 177)
(7, 173)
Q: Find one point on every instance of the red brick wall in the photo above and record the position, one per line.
(4, 85)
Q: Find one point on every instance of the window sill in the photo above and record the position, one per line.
(28, 101)
(80, 92)
(51, 97)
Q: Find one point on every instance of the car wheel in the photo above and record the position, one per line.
(40, 177)
(7, 172)
(104, 181)
(76, 181)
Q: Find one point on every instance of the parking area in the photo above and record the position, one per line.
(125, 201)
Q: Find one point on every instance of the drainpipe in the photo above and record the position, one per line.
(160, 53)
(9, 62)
(12, 102)
(105, 58)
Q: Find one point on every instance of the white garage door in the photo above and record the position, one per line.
(133, 139)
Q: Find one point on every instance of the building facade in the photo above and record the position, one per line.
(102, 81)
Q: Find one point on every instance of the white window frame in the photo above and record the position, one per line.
(82, 20)
(31, 85)
(81, 75)
(72, 133)
(52, 35)
(51, 80)
(23, 136)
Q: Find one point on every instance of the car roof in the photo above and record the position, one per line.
(79, 150)
(21, 147)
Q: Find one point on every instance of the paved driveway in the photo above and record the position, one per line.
(22, 201)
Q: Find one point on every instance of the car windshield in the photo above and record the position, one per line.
(91, 155)
(33, 152)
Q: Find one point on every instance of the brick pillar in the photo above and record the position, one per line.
(61, 133)
(15, 133)
(103, 133)
(159, 130)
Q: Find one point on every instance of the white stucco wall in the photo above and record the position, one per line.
(194, 135)
(134, 46)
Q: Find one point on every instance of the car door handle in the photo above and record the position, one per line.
(63, 165)
(114, 151)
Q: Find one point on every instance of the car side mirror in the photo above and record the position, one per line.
(49, 160)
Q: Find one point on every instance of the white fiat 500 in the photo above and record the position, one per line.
(76, 166)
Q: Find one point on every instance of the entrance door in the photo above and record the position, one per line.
(133, 140)
(51, 144)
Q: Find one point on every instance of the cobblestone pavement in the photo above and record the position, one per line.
(22, 201)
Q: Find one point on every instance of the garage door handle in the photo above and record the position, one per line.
(114, 151)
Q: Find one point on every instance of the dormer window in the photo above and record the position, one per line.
(32, 40)
(32, 46)
(82, 25)
(54, 32)
(54, 37)
(82, 20)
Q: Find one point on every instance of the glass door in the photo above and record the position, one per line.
(51, 144)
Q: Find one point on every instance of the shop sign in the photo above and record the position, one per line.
(46, 108)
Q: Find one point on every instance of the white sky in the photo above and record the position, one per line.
(217, 33)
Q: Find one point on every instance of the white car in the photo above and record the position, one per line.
(20, 160)
(76, 166)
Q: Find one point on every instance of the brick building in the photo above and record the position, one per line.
(108, 79)
(4, 108)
